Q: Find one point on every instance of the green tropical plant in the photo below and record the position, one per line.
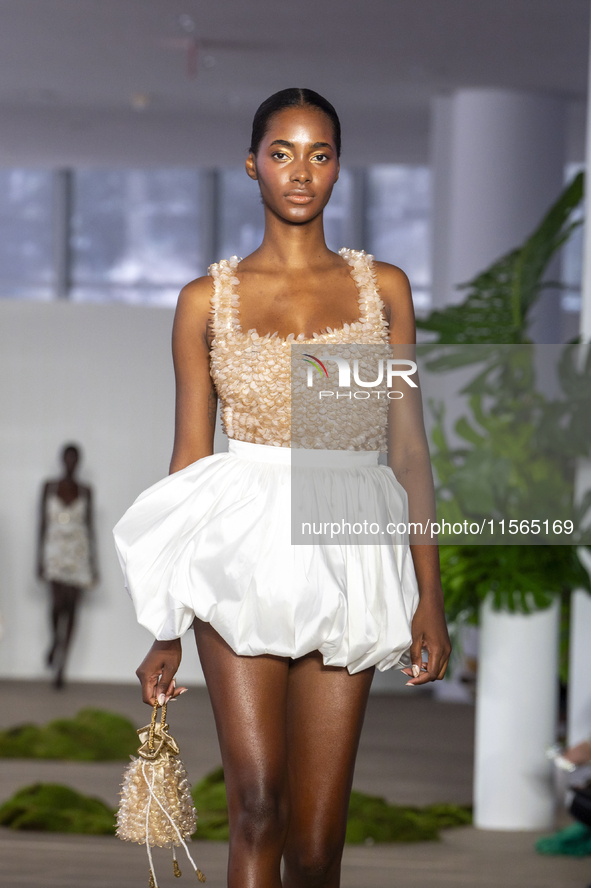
(521, 447)
(497, 308)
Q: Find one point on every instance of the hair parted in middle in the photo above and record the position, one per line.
(293, 97)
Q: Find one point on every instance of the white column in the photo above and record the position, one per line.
(515, 719)
(579, 685)
(498, 161)
(586, 284)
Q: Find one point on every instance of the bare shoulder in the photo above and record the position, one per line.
(392, 281)
(195, 297)
(194, 307)
(395, 293)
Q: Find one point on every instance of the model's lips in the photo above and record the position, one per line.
(299, 197)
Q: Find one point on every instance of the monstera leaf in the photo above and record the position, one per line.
(518, 449)
(499, 300)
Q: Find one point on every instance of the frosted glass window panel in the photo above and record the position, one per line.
(398, 222)
(135, 235)
(572, 254)
(337, 221)
(240, 213)
(26, 248)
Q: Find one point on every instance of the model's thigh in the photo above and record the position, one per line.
(64, 597)
(326, 707)
(248, 696)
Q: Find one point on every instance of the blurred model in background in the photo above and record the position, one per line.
(66, 554)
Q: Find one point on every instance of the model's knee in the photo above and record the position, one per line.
(316, 865)
(261, 815)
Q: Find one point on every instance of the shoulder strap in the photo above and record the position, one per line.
(370, 304)
(224, 301)
(363, 273)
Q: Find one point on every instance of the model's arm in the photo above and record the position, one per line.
(193, 438)
(196, 399)
(42, 529)
(408, 457)
(91, 535)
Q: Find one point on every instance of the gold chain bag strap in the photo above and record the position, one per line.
(156, 807)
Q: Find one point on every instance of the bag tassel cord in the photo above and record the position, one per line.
(157, 772)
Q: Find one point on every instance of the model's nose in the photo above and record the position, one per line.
(301, 176)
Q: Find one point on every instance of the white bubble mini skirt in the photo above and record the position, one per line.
(214, 540)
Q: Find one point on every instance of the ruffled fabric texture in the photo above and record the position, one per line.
(252, 373)
(214, 541)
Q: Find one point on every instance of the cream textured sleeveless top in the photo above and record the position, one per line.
(252, 373)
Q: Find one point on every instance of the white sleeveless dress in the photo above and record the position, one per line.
(66, 548)
(214, 539)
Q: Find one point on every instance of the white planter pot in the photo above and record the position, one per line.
(516, 705)
(579, 684)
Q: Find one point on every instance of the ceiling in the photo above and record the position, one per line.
(171, 82)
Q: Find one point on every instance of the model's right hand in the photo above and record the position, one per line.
(157, 670)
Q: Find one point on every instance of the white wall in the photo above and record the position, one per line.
(101, 376)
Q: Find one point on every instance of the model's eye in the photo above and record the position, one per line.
(279, 154)
(321, 157)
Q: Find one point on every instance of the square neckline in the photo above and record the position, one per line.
(291, 337)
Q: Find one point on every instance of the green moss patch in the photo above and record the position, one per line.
(92, 736)
(371, 819)
(211, 803)
(54, 808)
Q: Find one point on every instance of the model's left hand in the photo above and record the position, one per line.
(429, 632)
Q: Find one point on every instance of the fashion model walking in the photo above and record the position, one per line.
(288, 635)
(66, 556)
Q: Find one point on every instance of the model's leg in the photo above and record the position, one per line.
(248, 696)
(326, 707)
(71, 598)
(55, 616)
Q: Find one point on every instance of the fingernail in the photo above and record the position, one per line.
(184, 691)
(161, 699)
(410, 683)
(416, 670)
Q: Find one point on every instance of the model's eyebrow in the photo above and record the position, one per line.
(313, 147)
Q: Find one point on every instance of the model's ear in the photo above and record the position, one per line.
(251, 166)
(338, 172)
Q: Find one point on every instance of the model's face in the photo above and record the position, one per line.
(296, 165)
(70, 459)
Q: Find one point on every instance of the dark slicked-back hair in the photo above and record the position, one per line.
(71, 447)
(290, 98)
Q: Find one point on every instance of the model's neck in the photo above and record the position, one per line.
(292, 246)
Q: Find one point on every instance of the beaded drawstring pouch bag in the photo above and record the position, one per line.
(156, 807)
